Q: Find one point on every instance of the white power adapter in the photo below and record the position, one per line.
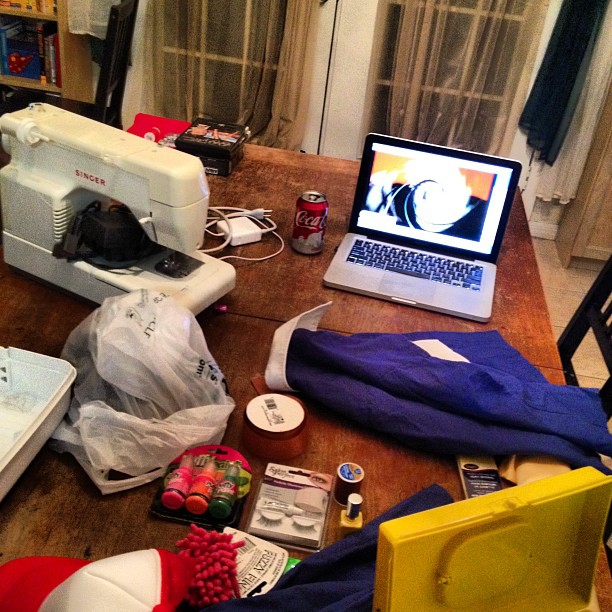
(243, 230)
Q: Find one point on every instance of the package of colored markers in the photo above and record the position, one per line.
(205, 485)
(291, 507)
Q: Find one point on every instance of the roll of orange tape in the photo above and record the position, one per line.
(274, 427)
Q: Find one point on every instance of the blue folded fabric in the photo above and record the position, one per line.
(341, 576)
(497, 404)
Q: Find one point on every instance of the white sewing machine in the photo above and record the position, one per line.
(61, 162)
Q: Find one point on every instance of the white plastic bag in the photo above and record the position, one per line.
(147, 388)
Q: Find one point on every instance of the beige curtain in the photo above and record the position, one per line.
(292, 87)
(240, 61)
(458, 73)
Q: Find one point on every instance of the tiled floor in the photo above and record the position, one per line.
(564, 289)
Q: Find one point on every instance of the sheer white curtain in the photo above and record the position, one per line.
(246, 61)
(454, 72)
(558, 183)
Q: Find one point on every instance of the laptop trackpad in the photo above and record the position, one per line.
(403, 286)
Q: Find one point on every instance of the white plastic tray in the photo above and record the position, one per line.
(34, 396)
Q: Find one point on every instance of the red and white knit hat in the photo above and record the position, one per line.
(145, 580)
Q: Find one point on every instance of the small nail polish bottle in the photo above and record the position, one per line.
(351, 519)
(178, 484)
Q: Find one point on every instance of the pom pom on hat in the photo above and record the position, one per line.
(145, 580)
(215, 578)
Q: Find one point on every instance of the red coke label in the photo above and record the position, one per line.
(310, 222)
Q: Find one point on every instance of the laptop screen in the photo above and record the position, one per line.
(436, 197)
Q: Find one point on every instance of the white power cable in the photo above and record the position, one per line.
(261, 216)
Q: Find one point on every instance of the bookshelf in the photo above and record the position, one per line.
(75, 57)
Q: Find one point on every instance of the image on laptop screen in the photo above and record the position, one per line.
(433, 197)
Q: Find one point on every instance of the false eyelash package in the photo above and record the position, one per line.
(291, 507)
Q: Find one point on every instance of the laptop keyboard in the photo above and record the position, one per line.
(413, 263)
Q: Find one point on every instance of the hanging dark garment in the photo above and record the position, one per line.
(553, 99)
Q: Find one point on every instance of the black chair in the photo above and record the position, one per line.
(113, 68)
(594, 313)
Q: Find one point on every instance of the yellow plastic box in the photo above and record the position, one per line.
(526, 548)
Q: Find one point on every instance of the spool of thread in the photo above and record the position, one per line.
(154, 134)
(349, 477)
(178, 484)
(275, 427)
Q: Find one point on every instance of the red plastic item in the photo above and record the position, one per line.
(156, 128)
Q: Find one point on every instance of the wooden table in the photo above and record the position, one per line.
(54, 509)
(293, 281)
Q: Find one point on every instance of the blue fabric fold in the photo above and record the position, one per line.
(497, 404)
(341, 576)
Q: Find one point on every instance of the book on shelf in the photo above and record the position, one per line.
(52, 59)
(23, 6)
(42, 6)
(22, 55)
(49, 59)
(8, 28)
(44, 31)
(46, 6)
(30, 49)
(56, 60)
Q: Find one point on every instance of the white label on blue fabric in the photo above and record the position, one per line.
(438, 349)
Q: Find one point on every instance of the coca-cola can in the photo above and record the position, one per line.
(310, 222)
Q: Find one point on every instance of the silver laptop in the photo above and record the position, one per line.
(426, 226)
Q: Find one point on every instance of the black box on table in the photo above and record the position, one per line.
(220, 146)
